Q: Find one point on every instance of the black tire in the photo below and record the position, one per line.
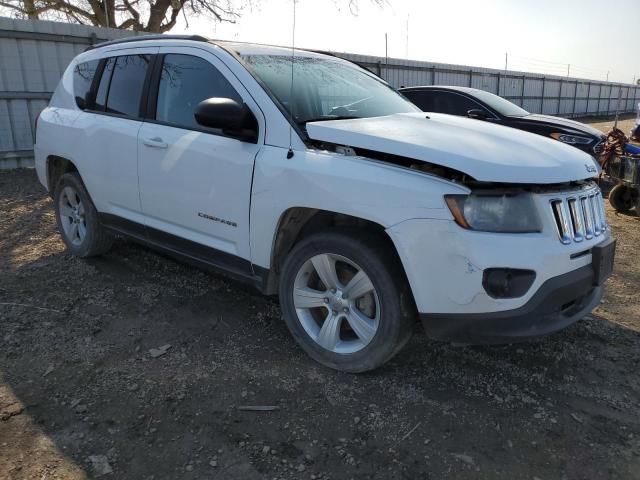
(397, 310)
(97, 240)
(623, 198)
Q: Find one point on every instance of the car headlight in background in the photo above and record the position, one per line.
(508, 213)
(571, 139)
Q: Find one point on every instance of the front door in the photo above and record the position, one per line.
(195, 182)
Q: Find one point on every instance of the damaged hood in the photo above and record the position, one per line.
(484, 151)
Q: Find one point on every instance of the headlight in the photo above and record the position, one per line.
(571, 139)
(509, 213)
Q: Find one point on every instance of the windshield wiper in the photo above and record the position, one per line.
(328, 117)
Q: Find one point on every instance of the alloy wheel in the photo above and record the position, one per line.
(72, 215)
(336, 303)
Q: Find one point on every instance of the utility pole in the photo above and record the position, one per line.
(506, 60)
(568, 70)
(386, 50)
(608, 76)
(106, 13)
(407, 52)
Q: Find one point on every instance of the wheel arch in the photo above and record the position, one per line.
(56, 167)
(296, 223)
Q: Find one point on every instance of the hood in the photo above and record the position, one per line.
(484, 151)
(561, 122)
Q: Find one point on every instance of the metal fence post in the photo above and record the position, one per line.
(544, 80)
(559, 97)
(470, 78)
(586, 109)
(575, 95)
(524, 79)
(599, 97)
(626, 100)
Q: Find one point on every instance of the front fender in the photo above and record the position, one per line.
(369, 189)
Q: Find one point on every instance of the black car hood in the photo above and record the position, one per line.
(560, 122)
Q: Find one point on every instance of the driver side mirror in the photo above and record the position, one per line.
(234, 119)
(478, 114)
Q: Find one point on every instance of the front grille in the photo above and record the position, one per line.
(579, 217)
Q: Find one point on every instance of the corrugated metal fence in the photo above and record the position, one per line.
(34, 54)
(551, 95)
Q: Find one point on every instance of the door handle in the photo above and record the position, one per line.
(155, 142)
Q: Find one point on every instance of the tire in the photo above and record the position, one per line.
(623, 198)
(348, 334)
(77, 218)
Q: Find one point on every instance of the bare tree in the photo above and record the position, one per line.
(156, 16)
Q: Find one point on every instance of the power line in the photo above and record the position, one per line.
(555, 67)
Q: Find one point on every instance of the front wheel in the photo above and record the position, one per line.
(346, 301)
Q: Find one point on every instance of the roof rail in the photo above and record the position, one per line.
(140, 38)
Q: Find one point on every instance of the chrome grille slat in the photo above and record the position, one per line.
(576, 219)
(579, 216)
(597, 230)
(588, 219)
(603, 214)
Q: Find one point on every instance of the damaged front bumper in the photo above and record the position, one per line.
(558, 303)
(446, 267)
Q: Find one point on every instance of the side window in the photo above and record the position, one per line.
(422, 99)
(185, 81)
(83, 75)
(127, 82)
(455, 104)
(103, 87)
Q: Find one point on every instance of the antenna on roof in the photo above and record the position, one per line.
(291, 102)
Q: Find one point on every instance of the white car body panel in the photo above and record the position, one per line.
(340, 184)
(486, 152)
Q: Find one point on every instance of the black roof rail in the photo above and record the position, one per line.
(140, 38)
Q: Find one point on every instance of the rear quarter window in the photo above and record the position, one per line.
(83, 74)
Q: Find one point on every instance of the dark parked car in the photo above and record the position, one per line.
(482, 105)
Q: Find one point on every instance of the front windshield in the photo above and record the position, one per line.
(500, 105)
(326, 89)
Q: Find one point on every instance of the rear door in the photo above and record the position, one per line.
(195, 182)
(110, 125)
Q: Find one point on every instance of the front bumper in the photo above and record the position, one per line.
(559, 302)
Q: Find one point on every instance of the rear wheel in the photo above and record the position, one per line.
(77, 218)
(623, 198)
(346, 301)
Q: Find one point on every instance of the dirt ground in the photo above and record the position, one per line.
(85, 390)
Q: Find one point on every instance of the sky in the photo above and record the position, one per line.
(593, 37)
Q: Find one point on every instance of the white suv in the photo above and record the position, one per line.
(309, 177)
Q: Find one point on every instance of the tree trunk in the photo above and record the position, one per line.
(158, 12)
(30, 9)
